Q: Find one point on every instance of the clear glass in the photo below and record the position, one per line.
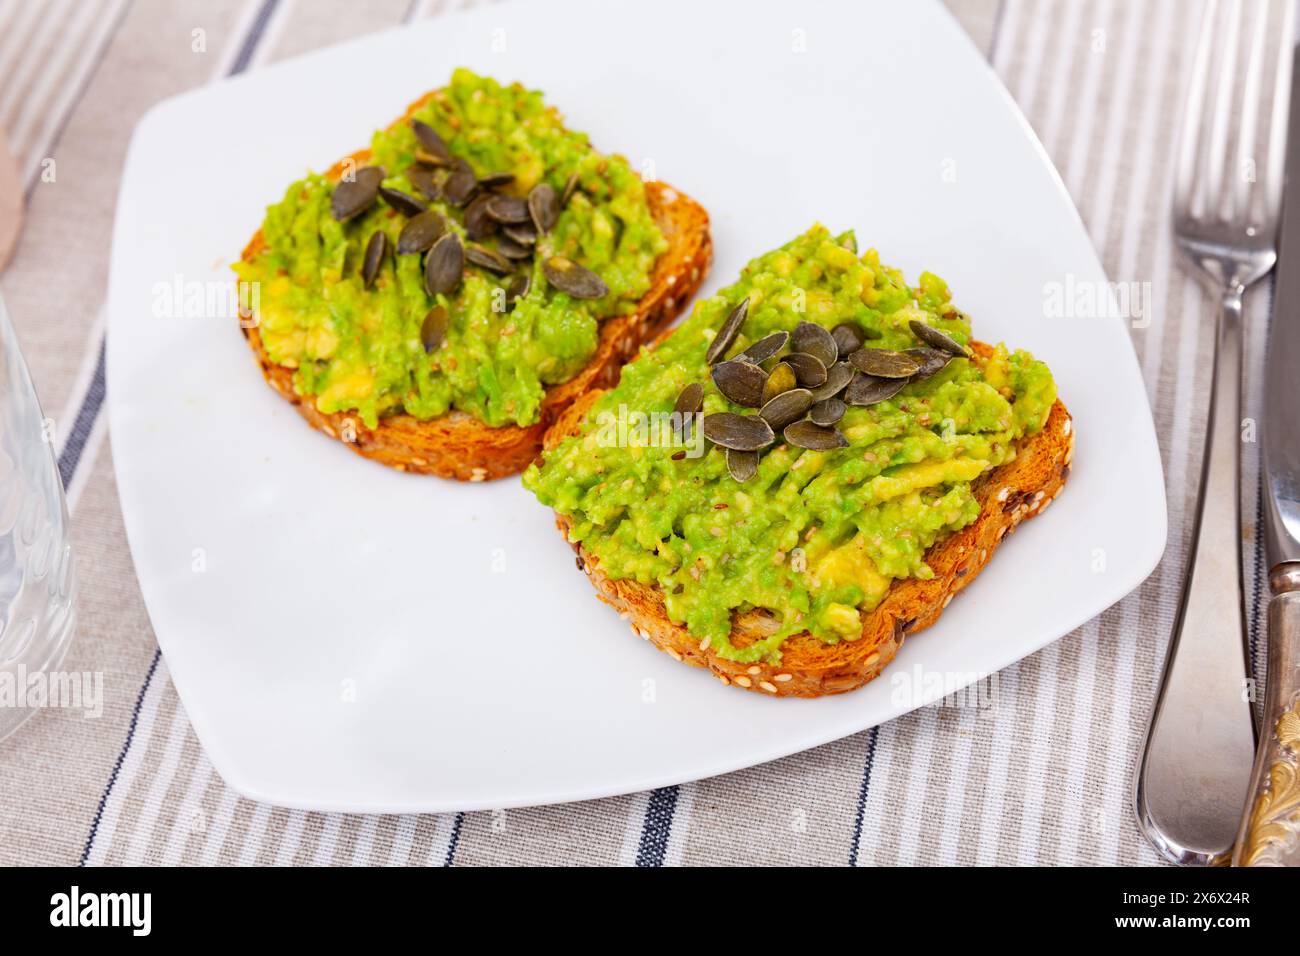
(37, 569)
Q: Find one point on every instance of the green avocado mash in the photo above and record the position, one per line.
(358, 348)
(815, 537)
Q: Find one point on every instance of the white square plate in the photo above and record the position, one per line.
(346, 637)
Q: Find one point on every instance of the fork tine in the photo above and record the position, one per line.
(1216, 221)
(1236, 198)
(1188, 153)
(1275, 162)
(1212, 185)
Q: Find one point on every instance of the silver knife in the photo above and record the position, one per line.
(1270, 827)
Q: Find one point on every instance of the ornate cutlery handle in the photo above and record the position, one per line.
(1191, 782)
(1270, 829)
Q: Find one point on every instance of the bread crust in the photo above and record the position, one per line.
(1009, 494)
(458, 445)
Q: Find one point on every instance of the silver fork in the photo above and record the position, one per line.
(1194, 770)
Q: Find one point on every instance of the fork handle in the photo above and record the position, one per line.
(1194, 771)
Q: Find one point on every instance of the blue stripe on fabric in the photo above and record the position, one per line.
(121, 757)
(454, 841)
(862, 797)
(84, 422)
(658, 826)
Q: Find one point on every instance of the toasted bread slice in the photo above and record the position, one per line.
(1008, 494)
(458, 445)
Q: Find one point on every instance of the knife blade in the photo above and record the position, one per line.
(1269, 834)
(1280, 438)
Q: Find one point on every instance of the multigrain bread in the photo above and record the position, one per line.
(458, 445)
(1009, 494)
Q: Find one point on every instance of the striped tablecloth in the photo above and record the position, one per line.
(1043, 777)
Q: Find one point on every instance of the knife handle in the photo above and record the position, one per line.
(1194, 769)
(1270, 827)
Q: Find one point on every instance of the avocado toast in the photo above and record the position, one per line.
(859, 488)
(437, 300)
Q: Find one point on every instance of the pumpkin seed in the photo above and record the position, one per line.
(848, 338)
(781, 380)
(376, 250)
(932, 361)
(936, 339)
(762, 350)
(461, 185)
(867, 389)
(406, 205)
(808, 369)
(741, 382)
(741, 432)
(827, 412)
(488, 259)
(811, 339)
(543, 207)
(494, 180)
(518, 288)
(570, 186)
(433, 332)
(444, 265)
(478, 225)
(424, 158)
(508, 209)
(838, 377)
(814, 437)
(424, 181)
(351, 197)
(431, 145)
(787, 407)
(727, 334)
(513, 250)
(421, 232)
(743, 465)
(523, 233)
(572, 279)
(690, 401)
(884, 363)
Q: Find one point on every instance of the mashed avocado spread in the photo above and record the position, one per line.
(814, 536)
(368, 347)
